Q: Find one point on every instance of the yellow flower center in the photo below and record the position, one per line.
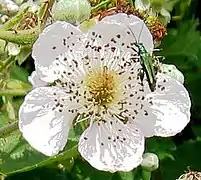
(102, 85)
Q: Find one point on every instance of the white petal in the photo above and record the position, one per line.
(142, 4)
(55, 40)
(166, 111)
(35, 80)
(114, 37)
(13, 49)
(166, 14)
(173, 72)
(42, 125)
(112, 146)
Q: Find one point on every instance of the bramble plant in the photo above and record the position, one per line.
(99, 89)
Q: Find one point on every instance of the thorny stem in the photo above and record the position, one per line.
(19, 37)
(100, 5)
(16, 92)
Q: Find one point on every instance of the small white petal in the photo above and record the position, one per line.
(165, 13)
(46, 129)
(166, 111)
(173, 72)
(35, 80)
(142, 4)
(55, 40)
(13, 49)
(112, 146)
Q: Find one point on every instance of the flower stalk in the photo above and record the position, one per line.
(20, 37)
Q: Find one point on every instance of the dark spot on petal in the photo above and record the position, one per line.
(118, 35)
(113, 49)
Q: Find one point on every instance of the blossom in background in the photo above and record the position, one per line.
(96, 74)
(155, 8)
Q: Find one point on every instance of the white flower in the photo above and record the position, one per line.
(97, 74)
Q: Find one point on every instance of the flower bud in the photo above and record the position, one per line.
(73, 11)
(150, 161)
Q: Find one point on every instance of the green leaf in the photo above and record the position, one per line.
(16, 155)
(25, 51)
(83, 171)
(14, 87)
(174, 44)
(163, 147)
(186, 155)
(19, 73)
(17, 84)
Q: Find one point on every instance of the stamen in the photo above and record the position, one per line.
(102, 85)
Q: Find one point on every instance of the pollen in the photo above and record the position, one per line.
(102, 85)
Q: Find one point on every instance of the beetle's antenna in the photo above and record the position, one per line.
(130, 31)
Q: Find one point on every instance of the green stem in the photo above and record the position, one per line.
(73, 152)
(44, 12)
(19, 37)
(7, 129)
(100, 5)
(146, 174)
(14, 92)
(10, 24)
